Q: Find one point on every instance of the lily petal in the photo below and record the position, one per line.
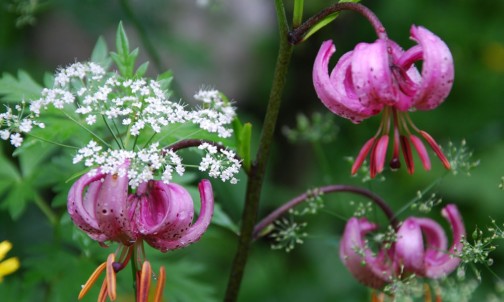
(333, 97)
(82, 210)
(371, 74)
(441, 264)
(409, 247)
(167, 211)
(369, 270)
(437, 69)
(194, 232)
(112, 209)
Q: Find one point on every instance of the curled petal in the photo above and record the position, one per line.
(369, 270)
(83, 210)
(112, 209)
(437, 69)
(334, 93)
(194, 232)
(165, 212)
(372, 76)
(409, 247)
(439, 264)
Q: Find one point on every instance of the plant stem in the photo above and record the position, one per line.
(258, 168)
(46, 209)
(319, 191)
(296, 36)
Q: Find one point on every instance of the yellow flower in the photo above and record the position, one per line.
(10, 265)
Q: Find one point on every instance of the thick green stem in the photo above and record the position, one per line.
(258, 168)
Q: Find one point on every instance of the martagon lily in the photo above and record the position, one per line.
(409, 254)
(158, 213)
(381, 77)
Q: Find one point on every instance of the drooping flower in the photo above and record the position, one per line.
(409, 254)
(10, 265)
(381, 77)
(157, 213)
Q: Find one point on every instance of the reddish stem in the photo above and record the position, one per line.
(323, 190)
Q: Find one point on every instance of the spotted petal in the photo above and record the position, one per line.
(335, 91)
(83, 210)
(188, 234)
(112, 208)
(165, 211)
(437, 68)
(371, 271)
(441, 262)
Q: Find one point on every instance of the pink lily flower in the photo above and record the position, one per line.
(159, 213)
(102, 211)
(380, 76)
(165, 212)
(409, 254)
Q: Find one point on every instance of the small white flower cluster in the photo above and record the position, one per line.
(220, 163)
(215, 114)
(142, 167)
(13, 125)
(96, 99)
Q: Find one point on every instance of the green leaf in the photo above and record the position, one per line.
(17, 198)
(243, 136)
(18, 89)
(244, 146)
(165, 79)
(328, 19)
(142, 69)
(186, 286)
(122, 43)
(220, 218)
(100, 54)
(124, 60)
(298, 13)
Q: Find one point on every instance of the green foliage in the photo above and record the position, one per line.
(243, 136)
(15, 89)
(321, 128)
(123, 58)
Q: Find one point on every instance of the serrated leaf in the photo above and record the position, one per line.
(100, 54)
(18, 89)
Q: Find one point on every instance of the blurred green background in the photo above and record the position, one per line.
(232, 45)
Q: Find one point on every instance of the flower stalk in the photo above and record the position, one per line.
(265, 222)
(258, 168)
